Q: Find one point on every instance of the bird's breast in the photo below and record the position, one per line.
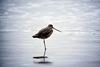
(47, 33)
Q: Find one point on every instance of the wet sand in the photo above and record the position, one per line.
(78, 45)
(73, 50)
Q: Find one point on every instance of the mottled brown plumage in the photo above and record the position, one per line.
(44, 33)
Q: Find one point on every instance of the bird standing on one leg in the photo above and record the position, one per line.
(45, 33)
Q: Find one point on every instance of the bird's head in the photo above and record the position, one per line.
(51, 26)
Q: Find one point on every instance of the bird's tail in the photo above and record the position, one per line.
(35, 36)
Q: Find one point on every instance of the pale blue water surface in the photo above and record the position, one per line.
(78, 45)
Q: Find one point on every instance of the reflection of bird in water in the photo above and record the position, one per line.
(45, 33)
(42, 59)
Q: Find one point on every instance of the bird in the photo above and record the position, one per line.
(45, 33)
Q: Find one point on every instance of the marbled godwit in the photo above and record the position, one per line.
(45, 33)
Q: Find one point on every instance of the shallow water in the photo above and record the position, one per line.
(18, 49)
(78, 45)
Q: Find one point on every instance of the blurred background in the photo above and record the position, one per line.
(78, 45)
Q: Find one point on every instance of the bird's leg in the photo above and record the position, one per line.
(44, 44)
(44, 55)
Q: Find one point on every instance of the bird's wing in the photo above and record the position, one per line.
(44, 31)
